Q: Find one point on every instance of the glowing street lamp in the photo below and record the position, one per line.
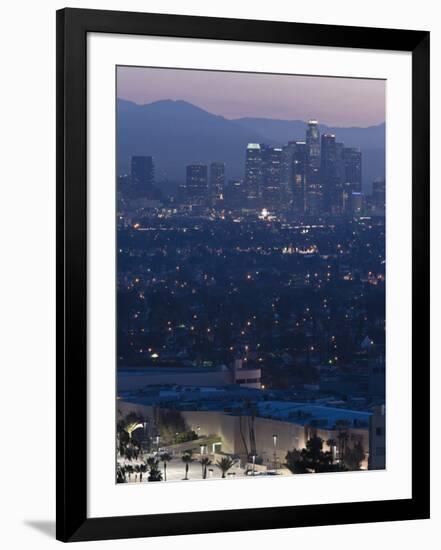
(275, 450)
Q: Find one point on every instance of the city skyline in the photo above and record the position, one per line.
(251, 284)
(315, 176)
(334, 101)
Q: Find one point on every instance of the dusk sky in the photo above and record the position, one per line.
(333, 101)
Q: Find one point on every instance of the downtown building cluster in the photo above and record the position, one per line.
(316, 176)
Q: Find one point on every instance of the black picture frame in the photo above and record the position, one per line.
(71, 510)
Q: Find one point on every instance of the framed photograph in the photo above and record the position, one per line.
(242, 275)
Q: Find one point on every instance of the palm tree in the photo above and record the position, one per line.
(155, 473)
(130, 470)
(151, 461)
(131, 427)
(165, 457)
(137, 471)
(205, 461)
(121, 474)
(187, 458)
(225, 464)
(142, 470)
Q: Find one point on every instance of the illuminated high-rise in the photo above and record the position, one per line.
(197, 183)
(351, 158)
(299, 171)
(272, 164)
(352, 163)
(314, 195)
(217, 182)
(287, 171)
(330, 173)
(253, 171)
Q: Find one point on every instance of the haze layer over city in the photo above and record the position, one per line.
(250, 275)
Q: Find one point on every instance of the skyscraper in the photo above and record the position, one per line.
(253, 171)
(287, 171)
(379, 196)
(351, 157)
(352, 162)
(142, 170)
(272, 165)
(197, 183)
(235, 194)
(314, 195)
(217, 182)
(339, 190)
(330, 173)
(313, 143)
(299, 168)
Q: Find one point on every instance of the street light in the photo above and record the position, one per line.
(275, 450)
(254, 464)
(204, 466)
(145, 425)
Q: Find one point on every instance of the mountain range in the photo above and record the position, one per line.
(177, 133)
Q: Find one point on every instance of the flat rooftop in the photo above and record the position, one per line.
(234, 400)
(303, 413)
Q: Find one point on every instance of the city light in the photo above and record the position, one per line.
(250, 306)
